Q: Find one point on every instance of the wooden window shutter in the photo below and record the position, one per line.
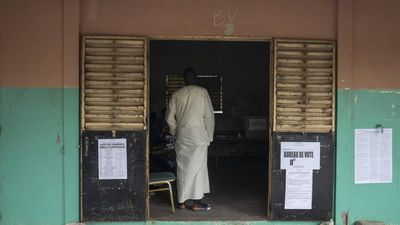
(213, 84)
(113, 83)
(304, 86)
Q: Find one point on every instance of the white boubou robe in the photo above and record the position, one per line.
(190, 118)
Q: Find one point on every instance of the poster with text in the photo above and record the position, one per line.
(300, 155)
(373, 156)
(298, 189)
(112, 159)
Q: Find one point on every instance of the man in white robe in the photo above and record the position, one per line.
(190, 118)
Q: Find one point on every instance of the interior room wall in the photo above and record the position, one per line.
(244, 67)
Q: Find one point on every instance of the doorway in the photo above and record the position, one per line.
(236, 74)
(114, 101)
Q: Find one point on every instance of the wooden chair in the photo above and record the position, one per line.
(161, 181)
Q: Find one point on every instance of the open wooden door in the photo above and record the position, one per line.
(114, 99)
(303, 122)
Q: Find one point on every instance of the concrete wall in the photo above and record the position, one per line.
(283, 18)
(368, 44)
(39, 99)
(39, 96)
(369, 93)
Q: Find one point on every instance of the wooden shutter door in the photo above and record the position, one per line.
(303, 111)
(304, 87)
(114, 97)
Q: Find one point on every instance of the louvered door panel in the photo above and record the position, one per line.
(303, 111)
(113, 106)
(304, 86)
(113, 84)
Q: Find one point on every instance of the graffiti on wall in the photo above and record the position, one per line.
(225, 19)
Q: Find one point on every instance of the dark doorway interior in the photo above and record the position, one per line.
(238, 157)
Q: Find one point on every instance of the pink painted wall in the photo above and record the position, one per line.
(31, 43)
(376, 44)
(368, 44)
(345, 44)
(268, 18)
(41, 45)
(39, 42)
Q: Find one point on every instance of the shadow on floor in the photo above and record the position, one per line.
(238, 192)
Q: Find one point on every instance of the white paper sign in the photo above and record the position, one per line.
(112, 159)
(373, 156)
(298, 189)
(300, 155)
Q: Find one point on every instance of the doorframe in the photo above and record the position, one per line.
(270, 105)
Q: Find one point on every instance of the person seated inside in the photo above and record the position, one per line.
(158, 135)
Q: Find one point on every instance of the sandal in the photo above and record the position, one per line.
(201, 207)
(182, 206)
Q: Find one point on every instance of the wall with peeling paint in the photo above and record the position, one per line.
(39, 96)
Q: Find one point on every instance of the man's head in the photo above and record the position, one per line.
(189, 75)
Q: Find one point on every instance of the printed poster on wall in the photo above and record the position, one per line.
(299, 159)
(298, 189)
(112, 159)
(300, 155)
(373, 156)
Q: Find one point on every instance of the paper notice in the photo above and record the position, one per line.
(300, 155)
(373, 156)
(298, 189)
(112, 159)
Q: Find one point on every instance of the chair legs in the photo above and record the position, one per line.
(171, 197)
(164, 189)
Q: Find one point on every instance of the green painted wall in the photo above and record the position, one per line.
(39, 175)
(71, 154)
(31, 159)
(366, 109)
(39, 156)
